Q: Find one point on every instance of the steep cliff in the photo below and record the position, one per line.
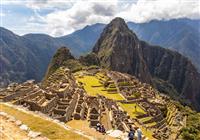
(118, 48)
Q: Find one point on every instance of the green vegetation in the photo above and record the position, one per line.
(147, 133)
(96, 85)
(192, 129)
(170, 114)
(137, 95)
(48, 129)
(89, 59)
(145, 119)
(125, 83)
(93, 87)
(55, 78)
(63, 58)
(63, 54)
(73, 65)
(131, 110)
(150, 124)
(165, 87)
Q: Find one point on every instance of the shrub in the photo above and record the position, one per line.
(137, 94)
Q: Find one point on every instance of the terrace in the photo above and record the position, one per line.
(94, 87)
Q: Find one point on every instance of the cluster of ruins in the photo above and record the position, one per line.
(61, 98)
(149, 100)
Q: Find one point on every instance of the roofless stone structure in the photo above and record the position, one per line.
(62, 98)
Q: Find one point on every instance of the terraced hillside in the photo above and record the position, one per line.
(94, 85)
(93, 95)
(140, 101)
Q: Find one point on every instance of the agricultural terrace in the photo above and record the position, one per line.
(100, 84)
(93, 84)
(132, 109)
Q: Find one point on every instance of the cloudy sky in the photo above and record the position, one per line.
(61, 17)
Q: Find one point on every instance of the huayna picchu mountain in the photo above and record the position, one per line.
(119, 49)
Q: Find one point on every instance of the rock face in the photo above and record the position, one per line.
(119, 49)
(175, 69)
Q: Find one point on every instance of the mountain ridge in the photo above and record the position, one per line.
(119, 49)
(35, 51)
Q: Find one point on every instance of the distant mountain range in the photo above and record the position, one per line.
(27, 57)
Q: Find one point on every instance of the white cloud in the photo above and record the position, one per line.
(49, 4)
(84, 13)
(146, 10)
(40, 4)
(69, 15)
(80, 14)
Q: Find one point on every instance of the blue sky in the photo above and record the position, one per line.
(61, 17)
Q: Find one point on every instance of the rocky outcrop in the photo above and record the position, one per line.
(61, 56)
(119, 49)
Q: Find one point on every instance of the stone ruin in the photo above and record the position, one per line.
(148, 101)
(61, 98)
(75, 104)
(67, 104)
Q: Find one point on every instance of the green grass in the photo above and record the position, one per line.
(147, 133)
(171, 111)
(124, 83)
(112, 86)
(145, 119)
(47, 128)
(130, 109)
(150, 124)
(90, 81)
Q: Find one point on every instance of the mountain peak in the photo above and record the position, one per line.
(118, 24)
(117, 47)
(115, 31)
(118, 21)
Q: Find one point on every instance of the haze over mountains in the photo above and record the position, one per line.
(27, 57)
